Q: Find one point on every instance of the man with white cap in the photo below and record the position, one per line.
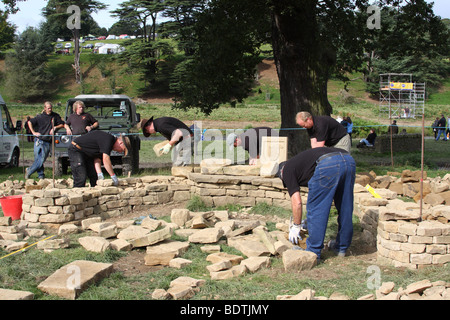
(251, 141)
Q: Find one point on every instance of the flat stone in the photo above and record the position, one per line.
(208, 235)
(249, 245)
(71, 280)
(418, 287)
(298, 260)
(162, 254)
(133, 232)
(94, 244)
(152, 238)
(253, 264)
(7, 294)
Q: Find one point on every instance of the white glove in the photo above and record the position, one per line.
(100, 176)
(294, 233)
(166, 149)
(115, 180)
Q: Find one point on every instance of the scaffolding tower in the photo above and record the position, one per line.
(400, 97)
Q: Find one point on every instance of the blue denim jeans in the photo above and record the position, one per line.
(333, 179)
(41, 152)
(441, 131)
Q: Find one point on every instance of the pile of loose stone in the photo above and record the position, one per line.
(421, 290)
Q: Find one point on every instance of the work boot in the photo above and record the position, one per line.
(332, 246)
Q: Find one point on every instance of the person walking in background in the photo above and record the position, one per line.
(43, 126)
(435, 127)
(447, 132)
(441, 128)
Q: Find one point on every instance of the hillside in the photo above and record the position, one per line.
(101, 74)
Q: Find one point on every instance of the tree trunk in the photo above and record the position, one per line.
(303, 65)
(76, 65)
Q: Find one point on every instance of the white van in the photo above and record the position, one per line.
(9, 141)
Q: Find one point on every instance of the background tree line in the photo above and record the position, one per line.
(205, 52)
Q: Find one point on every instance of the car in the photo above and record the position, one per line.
(68, 45)
(9, 141)
(58, 46)
(63, 51)
(88, 46)
(116, 114)
(101, 38)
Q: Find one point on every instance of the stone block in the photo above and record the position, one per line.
(249, 245)
(71, 280)
(120, 245)
(208, 235)
(7, 294)
(298, 260)
(152, 238)
(94, 244)
(253, 264)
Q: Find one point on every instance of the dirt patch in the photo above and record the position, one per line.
(133, 264)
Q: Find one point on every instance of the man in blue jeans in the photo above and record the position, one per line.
(43, 126)
(329, 174)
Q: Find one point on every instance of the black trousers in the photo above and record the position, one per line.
(82, 168)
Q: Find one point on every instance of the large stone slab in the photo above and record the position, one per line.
(152, 238)
(7, 294)
(208, 235)
(249, 245)
(161, 254)
(71, 280)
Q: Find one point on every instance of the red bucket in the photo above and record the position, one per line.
(12, 206)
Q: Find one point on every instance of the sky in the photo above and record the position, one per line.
(30, 13)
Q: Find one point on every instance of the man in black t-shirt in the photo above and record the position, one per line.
(324, 131)
(251, 141)
(173, 130)
(93, 147)
(329, 174)
(43, 126)
(80, 122)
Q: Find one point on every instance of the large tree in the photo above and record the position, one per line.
(62, 24)
(143, 54)
(7, 31)
(27, 75)
(413, 40)
(312, 40)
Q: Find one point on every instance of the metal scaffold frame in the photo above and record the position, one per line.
(400, 97)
